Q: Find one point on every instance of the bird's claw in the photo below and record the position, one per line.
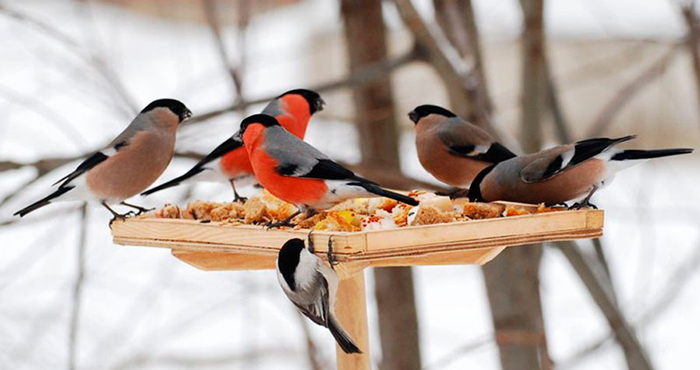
(121, 217)
(274, 225)
(329, 253)
(239, 199)
(310, 242)
(577, 206)
(142, 211)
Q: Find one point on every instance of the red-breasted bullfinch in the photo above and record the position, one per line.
(128, 165)
(560, 174)
(298, 173)
(452, 149)
(229, 161)
(312, 286)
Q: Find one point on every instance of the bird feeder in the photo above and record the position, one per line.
(217, 246)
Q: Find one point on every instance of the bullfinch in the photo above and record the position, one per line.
(452, 149)
(312, 286)
(560, 174)
(298, 173)
(229, 161)
(128, 165)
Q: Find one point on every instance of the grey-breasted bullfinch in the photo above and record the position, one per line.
(229, 161)
(128, 165)
(452, 149)
(312, 286)
(560, 174)
(298, 173)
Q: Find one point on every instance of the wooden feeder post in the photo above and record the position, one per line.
(352, 313)
(220, 246)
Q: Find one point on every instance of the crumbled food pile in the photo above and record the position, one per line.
(352, 215)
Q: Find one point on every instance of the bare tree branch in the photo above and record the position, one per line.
(212, 19)
(98, 64)
(693, 41)
(634, 352)
(77, 298)
(630, 90)
(365, 75)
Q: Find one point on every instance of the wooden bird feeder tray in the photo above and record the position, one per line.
(216, 246)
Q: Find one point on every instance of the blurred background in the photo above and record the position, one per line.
(73, 73)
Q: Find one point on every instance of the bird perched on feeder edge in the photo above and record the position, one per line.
(312, 286)
(298, 173)
(128, 165)
(561, 174)
(452, 149)
(229, 161)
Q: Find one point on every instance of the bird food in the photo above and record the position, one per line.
(362, 214)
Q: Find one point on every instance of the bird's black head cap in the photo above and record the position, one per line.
(175, 106)
(263, 119)
(288, 259)
(427, 109)
(311, 97)
(475, 187)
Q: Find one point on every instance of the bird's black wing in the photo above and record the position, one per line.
(496, 152)
(324, 169)
(227, 146)
(87, 164)
(583, 150)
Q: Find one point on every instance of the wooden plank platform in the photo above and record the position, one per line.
(221, 246)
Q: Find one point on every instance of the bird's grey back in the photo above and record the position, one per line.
(142, 122)
(273, 108)
(454, 131)
(286, 148)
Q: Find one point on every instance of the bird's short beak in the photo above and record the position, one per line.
(319, 104)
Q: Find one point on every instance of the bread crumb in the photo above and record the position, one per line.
(431, 215)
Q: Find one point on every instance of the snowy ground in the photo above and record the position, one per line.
(144, 309)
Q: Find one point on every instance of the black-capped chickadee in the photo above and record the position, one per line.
(311, 285)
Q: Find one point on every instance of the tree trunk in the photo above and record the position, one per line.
(375, 118)
(691, 21)
(513, 278)
(456, 18)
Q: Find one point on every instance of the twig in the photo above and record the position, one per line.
(97, 63)
(674, 285)
(311, 350)
(370, 73)
(627, 92)
(634, 352)
(77, 291)
(693, 40)
(455, 354)
(213, 22)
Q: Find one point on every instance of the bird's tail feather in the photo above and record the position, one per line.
(174, 182)
(633, 154)
(344, 341)
(374, 189)
(36, 205)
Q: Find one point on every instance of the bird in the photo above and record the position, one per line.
(127, 165)
(297, 173)
(229, 161)
(312, 286)
(451, 149)
(561, 174)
